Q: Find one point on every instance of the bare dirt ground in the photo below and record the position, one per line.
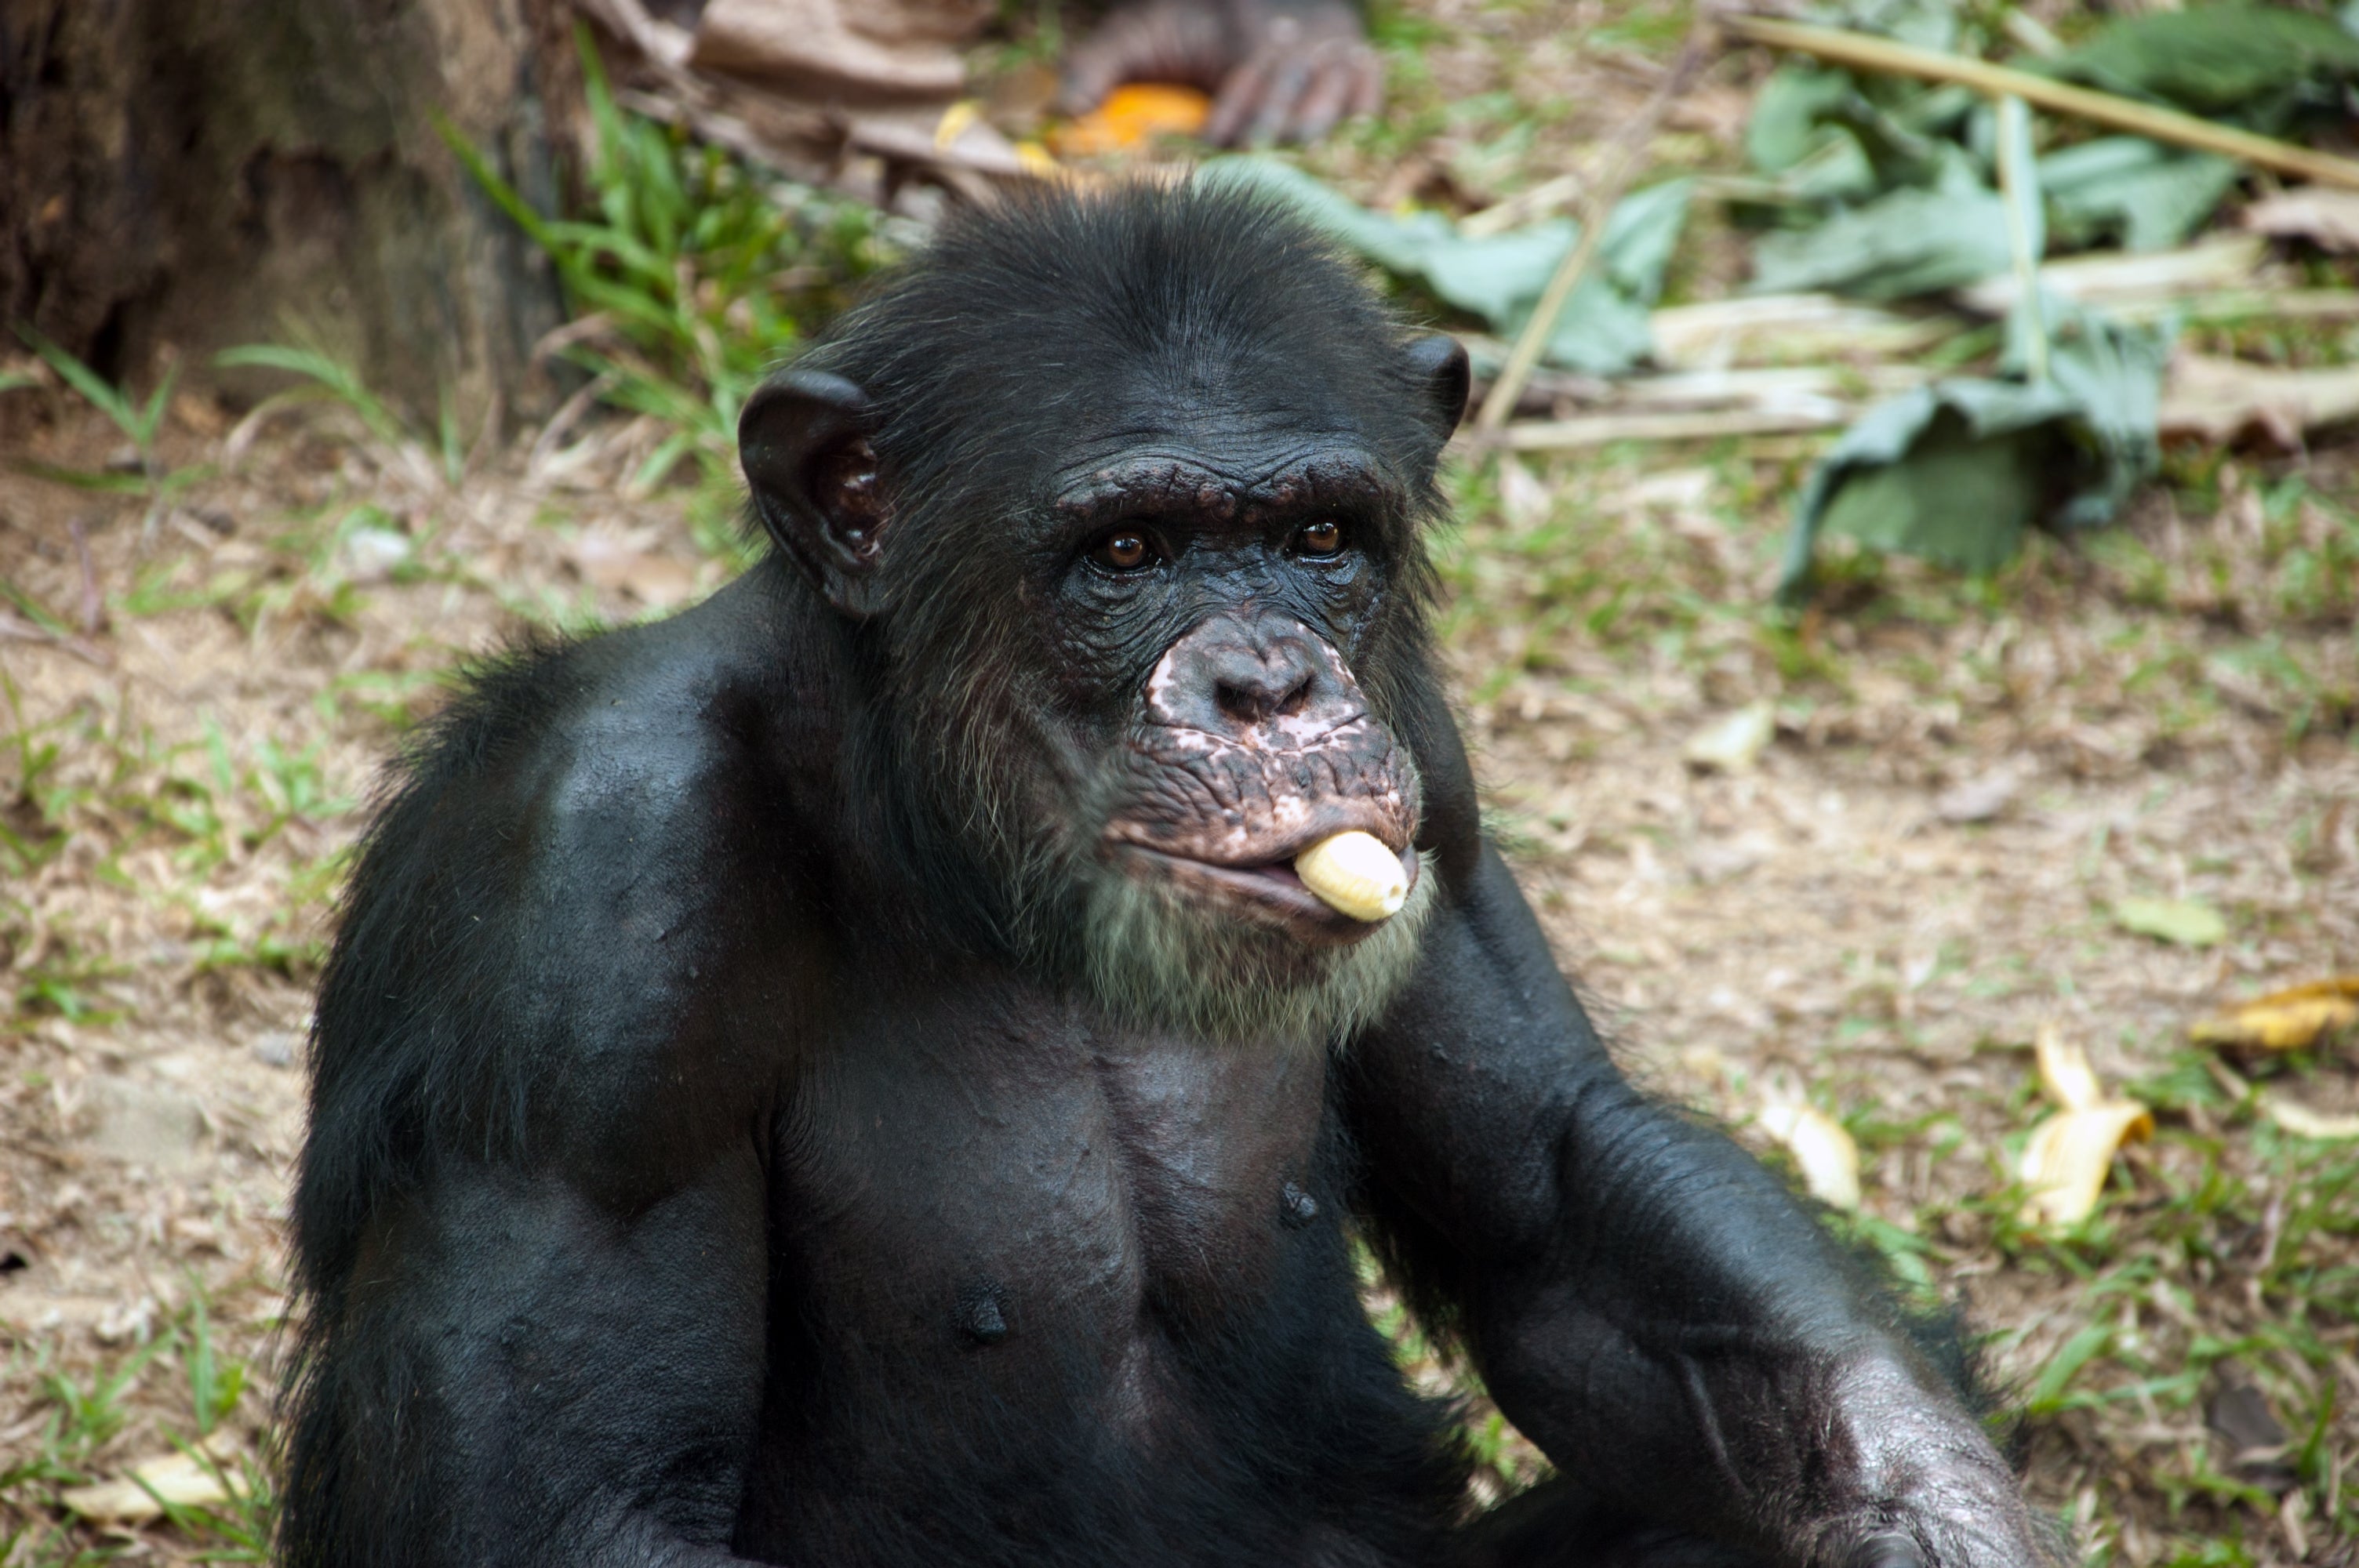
(1927, 864)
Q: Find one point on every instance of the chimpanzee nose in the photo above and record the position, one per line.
(1251, 691)
(1252, 681)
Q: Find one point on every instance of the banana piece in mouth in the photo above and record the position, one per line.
(1354, 874)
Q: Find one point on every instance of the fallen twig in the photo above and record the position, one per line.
(1599, 429)
(1790, 327)
(93, 603)
(1860, 52)
(1524, 207)
(21, 630)
(2110, 280)
(2287, 305)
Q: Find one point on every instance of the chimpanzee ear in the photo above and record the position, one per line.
(1438, 364)
(804, 441)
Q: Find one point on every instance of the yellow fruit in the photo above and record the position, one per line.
(1354, 874)
(1132, 115)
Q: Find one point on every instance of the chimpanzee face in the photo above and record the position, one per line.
(1136, 652)
(1215, 612)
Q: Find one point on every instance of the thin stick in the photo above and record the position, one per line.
(1842, 47)
(93, 603)
(1597, 206)
(14, 630)
(1598, 429)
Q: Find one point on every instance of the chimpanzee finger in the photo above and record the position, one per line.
(1322, 101)
(1163, 40)
(1286, 83)
(1089, 74)
(1240, 98)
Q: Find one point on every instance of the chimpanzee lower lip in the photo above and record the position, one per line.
(1265, 890)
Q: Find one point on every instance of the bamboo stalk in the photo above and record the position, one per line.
(2027, 241)
(1839, 46)
(1598, 429)
(1596, 207)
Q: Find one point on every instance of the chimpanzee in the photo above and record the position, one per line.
(876, 1069)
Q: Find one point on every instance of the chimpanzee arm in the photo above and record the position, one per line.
(522, 1375)
(530, 1217)
(1643, 1300)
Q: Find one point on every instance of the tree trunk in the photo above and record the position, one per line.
(180, 176)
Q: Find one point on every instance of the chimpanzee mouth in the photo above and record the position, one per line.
(1268, 893)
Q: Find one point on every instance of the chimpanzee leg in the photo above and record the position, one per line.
(1558, 1525)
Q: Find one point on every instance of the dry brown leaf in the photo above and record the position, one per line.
(2064, 1070)
(2218, 400)
(181, 1479)
(2066, 1158)
(1983, 796)
(656, 581)
(2328, 218)
(1828, 1157)
(1734, 744)
(2290, 1019)
(2304, 1123)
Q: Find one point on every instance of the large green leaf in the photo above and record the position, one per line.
(1603, 329)
(2215, 60)
(1956, 471)
(2148, 196)
(1908, 242)
(1800, 131)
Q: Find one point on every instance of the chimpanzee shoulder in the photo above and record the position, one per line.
(535, 952)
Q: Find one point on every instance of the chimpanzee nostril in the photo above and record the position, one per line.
(1254, 701)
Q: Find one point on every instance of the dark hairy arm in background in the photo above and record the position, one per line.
(1280, 71)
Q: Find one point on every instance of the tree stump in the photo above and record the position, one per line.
(180, 176)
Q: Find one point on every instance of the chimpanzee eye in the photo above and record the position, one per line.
(1123, 550)
(1319, 539)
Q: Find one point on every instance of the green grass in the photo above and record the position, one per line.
(212, 804)
(79, 1416)
(140, 422)
(703, 275)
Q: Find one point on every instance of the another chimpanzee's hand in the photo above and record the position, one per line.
(1279, 70)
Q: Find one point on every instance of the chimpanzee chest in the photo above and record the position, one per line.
(1047, 1293)
(1031, 1205)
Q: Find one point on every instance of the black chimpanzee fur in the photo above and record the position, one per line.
(848, 1075)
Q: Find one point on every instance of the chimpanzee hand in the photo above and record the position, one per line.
(1279, 70)
(1920, 1485)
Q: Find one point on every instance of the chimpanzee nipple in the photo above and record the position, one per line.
(1297, 1207)
(978, 1315)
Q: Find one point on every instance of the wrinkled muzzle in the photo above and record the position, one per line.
(1253, 744)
